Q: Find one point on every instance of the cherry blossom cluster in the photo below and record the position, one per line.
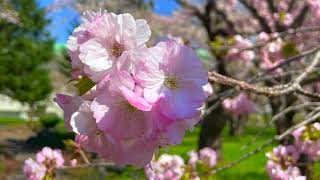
(282, 163)
(239, 105)
(47, 160)
(141, 98)
(271, 53)
(166, 167)
(282, 14)
(204, 160)
(307, 140)
(173, 167)
(315, 8)
(238, 52)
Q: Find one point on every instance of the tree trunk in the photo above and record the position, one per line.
(286, 121)
(211, 129)
(236, 126)
(306, 166)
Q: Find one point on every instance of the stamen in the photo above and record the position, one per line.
(117, 49)
(171, 81)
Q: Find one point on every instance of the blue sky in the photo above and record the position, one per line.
(63, 20)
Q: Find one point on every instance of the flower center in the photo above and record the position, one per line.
(98, 132)
(171, 81)
(117, 49)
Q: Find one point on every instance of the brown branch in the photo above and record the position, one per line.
(269, 91)
(221, 13)
(280, 34)
(267, 143)
(84, 157)
(291, 59)
(293, 86)
(278, 116)
(301, 17)
(271, 6)
(291, 5)
(308, 93)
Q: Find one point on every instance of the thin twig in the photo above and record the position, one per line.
(267, 143)
(84, 157)
(291, 59)
(260, 44)
(293, 86)
(277, 117)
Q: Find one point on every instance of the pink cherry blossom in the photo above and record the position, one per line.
(52, 158)
(282, 163)
(193, 158)
(208, 156)
(172, 132)
(238, 52)
(33, 170)
(166, 167)
(134, 109)
(315, 8)
(73, 162)
(208, 90)
(284, 17)
(96, 44)
(69, 105)
(238, 105)
(272, 54)
(307, 139)
(172, 76)
(143, 99)
(169, 37)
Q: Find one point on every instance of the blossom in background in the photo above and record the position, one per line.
(33, 170)
(193, 158)
(239, 105)
(282, 163)
(238, 52)
(166, 167)
(73, 162)
(47, 160)
(315, 8)
(168, 37)
(284, 17)
(142, 97)
(272, 51)
(206, 158)
(208, 90)
(307, 140)
(52, 158)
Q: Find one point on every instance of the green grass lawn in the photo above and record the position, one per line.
(233, 148)
(11, 121)
(252, 168)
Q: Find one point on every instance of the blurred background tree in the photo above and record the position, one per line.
(25, 50)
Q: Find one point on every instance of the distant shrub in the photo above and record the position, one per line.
(49, 120)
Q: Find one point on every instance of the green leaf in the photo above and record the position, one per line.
(282, 16)
(289, 49)
(84, 85)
